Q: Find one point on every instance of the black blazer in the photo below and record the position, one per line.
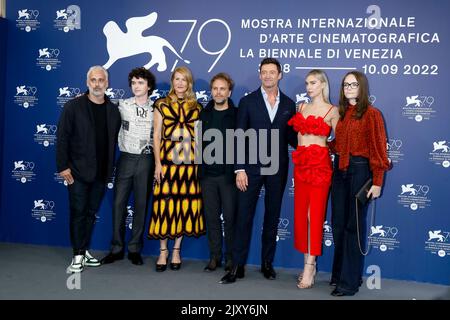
(252, 114)
(229, 122)
(75, 148)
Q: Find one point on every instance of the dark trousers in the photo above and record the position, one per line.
(219, 198)
(84, 202)
(274, 189)
(134, 172)
(348, 262)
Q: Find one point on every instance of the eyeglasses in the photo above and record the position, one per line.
(352, 85)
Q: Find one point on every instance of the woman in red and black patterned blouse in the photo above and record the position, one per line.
(360, 147)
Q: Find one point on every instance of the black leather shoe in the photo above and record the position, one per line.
(333, 283)
(237, 272)
(268, 271)
(111, 257)
(337, 293)
(162, 267)
(135, 258)
(175, 265)
(212, 265)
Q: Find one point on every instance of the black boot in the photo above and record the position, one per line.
(268, 271)
(237, 272)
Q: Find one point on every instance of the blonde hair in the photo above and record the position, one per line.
(322, 76)
(190, 97)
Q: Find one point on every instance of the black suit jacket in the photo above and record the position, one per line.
(253, 114)
(75, 148)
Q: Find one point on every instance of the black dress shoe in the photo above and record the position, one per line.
(175, 265)
(333, 283)
(237, 272)
(135, 258)
(111, 257)
(162, 267)
(268, 271)
(338, 293)
(212, 265)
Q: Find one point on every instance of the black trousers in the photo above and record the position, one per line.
(348, 262)
(84, 202)
(274, 189)
(134, 172)
(219, 198)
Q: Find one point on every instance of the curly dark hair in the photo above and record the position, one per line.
(143, 74)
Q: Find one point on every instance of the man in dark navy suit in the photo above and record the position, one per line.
(264, 113)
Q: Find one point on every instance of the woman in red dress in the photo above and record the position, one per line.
(312, 171)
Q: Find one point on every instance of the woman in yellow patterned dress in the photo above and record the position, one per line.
(177, 200)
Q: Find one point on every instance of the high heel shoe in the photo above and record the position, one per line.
(300, 277)
(312, 270)
(305, 261)
(175, 265)
(162, 267)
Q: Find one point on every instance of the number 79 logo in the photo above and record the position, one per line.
(217, 53)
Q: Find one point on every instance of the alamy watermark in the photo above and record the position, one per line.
(374, 280)
(73, 281)
(241, 147)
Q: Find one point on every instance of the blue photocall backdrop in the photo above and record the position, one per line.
(3, 25)
(401, 46)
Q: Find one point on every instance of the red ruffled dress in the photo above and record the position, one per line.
(312, 180)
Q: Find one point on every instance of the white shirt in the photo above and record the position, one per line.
(136, 131)
(272, 111)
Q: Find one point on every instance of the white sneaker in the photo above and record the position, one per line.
(90, 261)
(77, 264)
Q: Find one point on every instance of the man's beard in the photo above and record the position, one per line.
(220, 102)
(96, 92)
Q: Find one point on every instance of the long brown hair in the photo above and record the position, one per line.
(190, 97)
(362, 101)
